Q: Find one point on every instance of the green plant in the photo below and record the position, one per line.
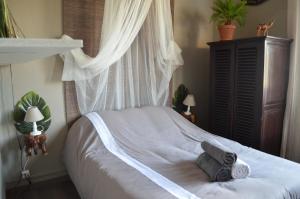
(179, 96)
(6, 22)
(226, 12)
(31, 99)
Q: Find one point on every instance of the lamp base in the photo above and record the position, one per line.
(187, 113)
(35, 133)
(35, 143)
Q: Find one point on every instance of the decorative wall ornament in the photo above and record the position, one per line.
(28, 100)
(32, 142)
(179, 95)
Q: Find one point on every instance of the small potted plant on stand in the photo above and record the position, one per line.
(226, 13)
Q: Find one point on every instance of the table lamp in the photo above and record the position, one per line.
(33, 114)
(189, 101)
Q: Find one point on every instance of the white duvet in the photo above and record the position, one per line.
(167, 143)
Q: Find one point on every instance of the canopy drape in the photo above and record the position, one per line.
(291, 131)
(136, 59)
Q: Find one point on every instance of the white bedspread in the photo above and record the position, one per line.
(167, 143)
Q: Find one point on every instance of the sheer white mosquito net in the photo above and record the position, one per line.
(135, 62)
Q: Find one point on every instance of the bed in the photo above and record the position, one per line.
(169, 144)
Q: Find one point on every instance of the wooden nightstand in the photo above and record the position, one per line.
(192, 117)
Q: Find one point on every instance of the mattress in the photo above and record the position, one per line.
(169, 144)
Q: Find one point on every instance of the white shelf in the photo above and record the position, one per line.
(14, 51)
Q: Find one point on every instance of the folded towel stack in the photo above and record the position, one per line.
(222, 155)
(220, 164)
(213, 168)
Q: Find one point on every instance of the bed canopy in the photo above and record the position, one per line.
(135, 61)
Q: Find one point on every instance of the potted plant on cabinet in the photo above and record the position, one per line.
(228, 13)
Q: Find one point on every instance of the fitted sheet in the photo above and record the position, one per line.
(169, 144)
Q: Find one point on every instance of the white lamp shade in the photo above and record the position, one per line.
(33, 114)
(189, 100)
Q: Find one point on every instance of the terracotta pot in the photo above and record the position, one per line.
(226, 32)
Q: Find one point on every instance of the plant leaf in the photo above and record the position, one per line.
(227, 12)
(28, 100)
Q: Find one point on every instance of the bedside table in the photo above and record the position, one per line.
(191, 117)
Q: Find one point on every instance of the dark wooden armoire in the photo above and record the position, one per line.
(249, 80)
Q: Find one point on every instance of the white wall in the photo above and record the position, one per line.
(40, 19)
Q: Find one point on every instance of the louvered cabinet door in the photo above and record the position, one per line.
(222, 59)
(248, 93)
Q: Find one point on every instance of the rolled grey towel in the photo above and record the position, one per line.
(222, 155)
(240, 169)
(213, 168)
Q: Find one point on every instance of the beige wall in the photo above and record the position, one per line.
(40, 19)
(193, 30)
